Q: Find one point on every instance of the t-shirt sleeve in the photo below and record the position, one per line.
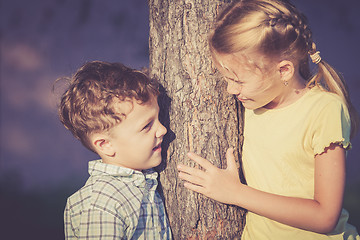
(332, 125)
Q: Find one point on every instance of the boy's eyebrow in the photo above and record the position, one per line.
(148, 119)
(145, 122)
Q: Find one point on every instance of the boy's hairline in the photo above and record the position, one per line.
(153, 97)
(107, 131)
(113, 115)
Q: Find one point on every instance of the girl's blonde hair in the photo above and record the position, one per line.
(276, 29)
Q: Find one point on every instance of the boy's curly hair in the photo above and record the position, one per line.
(89, 103)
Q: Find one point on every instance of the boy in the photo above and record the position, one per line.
(113, 111)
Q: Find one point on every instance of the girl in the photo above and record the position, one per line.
(296, 131)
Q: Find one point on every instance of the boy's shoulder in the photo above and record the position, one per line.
(106, 193)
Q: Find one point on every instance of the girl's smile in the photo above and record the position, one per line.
(242, 99)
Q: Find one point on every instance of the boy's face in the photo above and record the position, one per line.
(137, 139)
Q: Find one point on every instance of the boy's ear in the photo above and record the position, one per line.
(102, 145)
(286, 70)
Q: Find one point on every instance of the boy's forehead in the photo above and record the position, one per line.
(126, 106)
(123, 107)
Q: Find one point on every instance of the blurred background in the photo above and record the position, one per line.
(41, 164)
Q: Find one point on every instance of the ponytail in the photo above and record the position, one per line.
(333, 82)
(276, 28)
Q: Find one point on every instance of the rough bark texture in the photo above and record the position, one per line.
(199, 114)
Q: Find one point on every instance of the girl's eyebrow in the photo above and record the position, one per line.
(236, 79)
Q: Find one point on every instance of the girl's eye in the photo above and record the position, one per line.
(234, 80)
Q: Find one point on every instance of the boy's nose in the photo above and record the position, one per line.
(161, 131)
(233, 88)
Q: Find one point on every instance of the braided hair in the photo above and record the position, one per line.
(277, 30)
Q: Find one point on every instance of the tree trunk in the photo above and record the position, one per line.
(198, 113)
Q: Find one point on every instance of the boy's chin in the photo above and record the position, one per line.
(156, 162)
(152, 164)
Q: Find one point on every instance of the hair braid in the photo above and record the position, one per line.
(276, 29)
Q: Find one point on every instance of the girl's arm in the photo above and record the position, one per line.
(320, 214)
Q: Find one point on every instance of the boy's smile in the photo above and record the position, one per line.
(157, 147)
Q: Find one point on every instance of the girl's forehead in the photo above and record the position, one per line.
(234, 63)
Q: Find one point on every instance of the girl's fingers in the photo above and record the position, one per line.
(231, 163)
(201, 161)
(191, 179)
(191, 171)
(195, 188)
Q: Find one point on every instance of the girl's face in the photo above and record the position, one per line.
(253, 87)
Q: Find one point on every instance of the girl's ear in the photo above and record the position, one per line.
(286, 70)
(102, 145)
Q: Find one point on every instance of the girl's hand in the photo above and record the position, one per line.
(219, 184)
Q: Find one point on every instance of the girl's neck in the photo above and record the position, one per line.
(295, 89)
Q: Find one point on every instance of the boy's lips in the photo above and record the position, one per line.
(157, 147)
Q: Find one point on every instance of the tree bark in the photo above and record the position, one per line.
(198, 113)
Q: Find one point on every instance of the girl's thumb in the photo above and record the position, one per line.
(231, 163)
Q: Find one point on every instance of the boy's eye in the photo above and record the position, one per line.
(147, 126)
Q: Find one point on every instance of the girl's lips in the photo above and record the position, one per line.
(242, 99)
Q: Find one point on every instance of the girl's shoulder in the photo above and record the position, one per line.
(314, 102)
(322, 96)
(319, 99)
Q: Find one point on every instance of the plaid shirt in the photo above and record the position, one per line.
(116, 203)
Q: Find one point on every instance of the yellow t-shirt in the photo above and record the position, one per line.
(278, 157)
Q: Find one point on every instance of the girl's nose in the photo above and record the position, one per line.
(161, 131)
(233, 88)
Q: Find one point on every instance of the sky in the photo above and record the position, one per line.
(43, 40)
